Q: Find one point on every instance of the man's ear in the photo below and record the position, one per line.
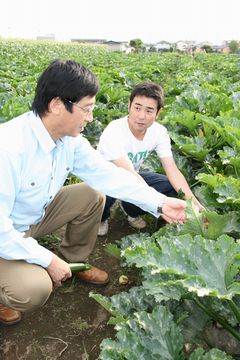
(158, 113)
(55, 106)
(129, 105)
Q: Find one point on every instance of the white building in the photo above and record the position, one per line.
(181, 45)
(46, 37)
(163, 46)
(122, 46)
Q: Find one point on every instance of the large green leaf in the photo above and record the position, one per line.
(146, 336)
(208, 199)
(152, 336)
(209, 267)
(136, 248)
(209, 224)
(125, 304)
(163, 286)
(205, 267)
(186, 118)
(194, 146)
(230, 156)
(227, 128)
(227, 188)
(213, 354)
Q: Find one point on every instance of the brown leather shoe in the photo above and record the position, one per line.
(94, 276)
(9, 316)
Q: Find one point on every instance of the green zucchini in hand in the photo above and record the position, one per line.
(76, 267)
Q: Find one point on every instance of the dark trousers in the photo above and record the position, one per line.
(157, 181)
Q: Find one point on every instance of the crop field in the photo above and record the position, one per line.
(190, 273)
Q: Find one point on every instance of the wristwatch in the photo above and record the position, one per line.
(159, 209)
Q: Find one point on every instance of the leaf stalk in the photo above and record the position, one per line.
(215, 317)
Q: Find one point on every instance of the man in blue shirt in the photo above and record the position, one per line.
(38, 150)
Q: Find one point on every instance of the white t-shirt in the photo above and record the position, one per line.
(117, 141)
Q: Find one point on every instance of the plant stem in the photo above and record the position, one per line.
(236, 171)
(235, 309)
(215, 317)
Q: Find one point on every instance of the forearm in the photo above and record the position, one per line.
(126, 164)
(118, 182)
(14, 246)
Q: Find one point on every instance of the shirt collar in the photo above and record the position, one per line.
(42, 135)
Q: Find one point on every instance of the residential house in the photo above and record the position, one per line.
(181, 45)
(163, 46)
(223, 48)
(47, 37)
(122, 46)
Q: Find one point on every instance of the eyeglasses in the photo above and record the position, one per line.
(86, 110)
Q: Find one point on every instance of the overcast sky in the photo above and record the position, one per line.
(122, 20)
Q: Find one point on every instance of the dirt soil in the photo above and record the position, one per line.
(71, 325)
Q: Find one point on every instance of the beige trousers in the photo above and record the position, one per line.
(25, 286)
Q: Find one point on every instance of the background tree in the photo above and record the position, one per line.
(207, 48)
(234, 46)
(152, 49)
(137, 45)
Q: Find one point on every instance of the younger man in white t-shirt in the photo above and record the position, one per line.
(128, 141)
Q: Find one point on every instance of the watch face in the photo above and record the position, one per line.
(159, 209)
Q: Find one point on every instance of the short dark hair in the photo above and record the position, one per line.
(151, 90)
(68, 80)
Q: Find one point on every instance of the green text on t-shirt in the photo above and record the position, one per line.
(141, 155)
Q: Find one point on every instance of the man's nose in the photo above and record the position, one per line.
(89, 117)
(142, 113)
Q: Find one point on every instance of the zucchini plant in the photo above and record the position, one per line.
(190, 276)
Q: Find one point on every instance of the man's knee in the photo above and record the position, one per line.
(95, 196)
(27, 293)
(83, 194)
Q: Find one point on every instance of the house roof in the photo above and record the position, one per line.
(99, 41)
(115, 42)
(163, 42)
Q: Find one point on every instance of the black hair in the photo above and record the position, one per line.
(151, 90)
(68, 80)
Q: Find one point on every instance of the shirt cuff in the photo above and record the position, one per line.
(42, 258)
(159, 202)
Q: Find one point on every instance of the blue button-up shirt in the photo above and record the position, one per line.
(33, 168)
